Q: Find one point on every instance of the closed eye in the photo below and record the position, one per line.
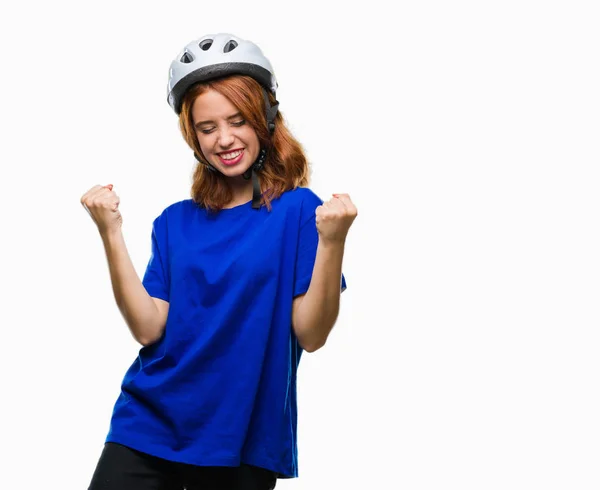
(236, 123)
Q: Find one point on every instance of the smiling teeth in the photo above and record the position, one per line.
(232, 155)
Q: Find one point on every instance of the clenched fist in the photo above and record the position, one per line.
(103, 206)
(334, 218)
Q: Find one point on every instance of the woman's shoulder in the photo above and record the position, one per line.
(175, 208)
(180, 205)
(301, 196)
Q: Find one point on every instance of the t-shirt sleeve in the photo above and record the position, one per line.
(156, 277)
(308, 240)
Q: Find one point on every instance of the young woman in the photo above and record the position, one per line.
(243, 277)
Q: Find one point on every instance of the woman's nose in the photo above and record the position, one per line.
(225, 138)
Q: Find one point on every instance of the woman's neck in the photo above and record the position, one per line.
(241, 190)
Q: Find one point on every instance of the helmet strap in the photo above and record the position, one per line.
(206, 164)
(253, 172)
(270, 111)
(256, 194)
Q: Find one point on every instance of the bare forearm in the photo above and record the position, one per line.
(319, 309)
(134, 302)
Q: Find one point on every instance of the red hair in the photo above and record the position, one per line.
(285, 167)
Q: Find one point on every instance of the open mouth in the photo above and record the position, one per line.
(232, 157)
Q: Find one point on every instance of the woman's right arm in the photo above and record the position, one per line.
(145, 316)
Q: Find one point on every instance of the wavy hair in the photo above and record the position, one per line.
(286, 166)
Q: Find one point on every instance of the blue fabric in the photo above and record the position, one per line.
(219, 388)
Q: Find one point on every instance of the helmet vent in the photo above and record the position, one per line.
(187, 57)
(204, 45)
(230, 46)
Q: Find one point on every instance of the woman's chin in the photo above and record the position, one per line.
(233, 172)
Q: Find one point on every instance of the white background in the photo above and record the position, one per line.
(466, 354)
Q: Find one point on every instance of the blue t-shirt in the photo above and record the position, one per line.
(219, 387)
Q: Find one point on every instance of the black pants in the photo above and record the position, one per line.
(123, 468)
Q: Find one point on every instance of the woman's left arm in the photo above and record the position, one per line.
(314, 314)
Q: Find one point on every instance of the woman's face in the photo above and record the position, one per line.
(226, 139)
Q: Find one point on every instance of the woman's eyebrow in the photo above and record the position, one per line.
(200, 123)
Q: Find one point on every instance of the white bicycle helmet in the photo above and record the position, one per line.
(214, 56)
